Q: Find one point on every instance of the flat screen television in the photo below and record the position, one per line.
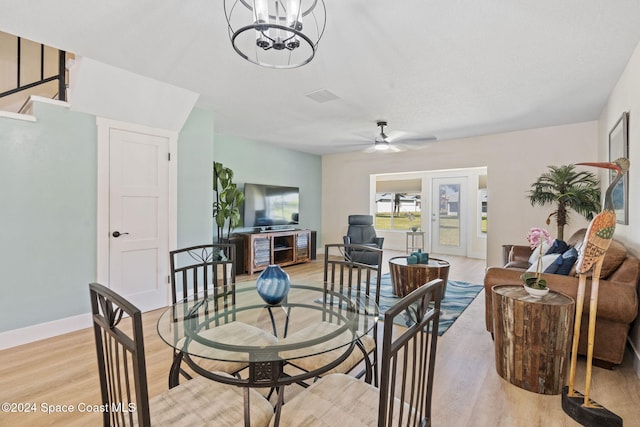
(271, 207)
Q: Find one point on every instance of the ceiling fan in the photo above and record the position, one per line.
(394, 142)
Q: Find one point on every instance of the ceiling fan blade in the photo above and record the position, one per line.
(397, 135)
(370, 149)
(418, 140)
(347, 144)
(394, 141)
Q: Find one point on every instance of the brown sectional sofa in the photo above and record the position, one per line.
(617, 295)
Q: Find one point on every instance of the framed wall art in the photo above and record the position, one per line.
(619, 147)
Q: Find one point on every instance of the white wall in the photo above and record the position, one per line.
(514, 160)
(626, 97)
(113, 93)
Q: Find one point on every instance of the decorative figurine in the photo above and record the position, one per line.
(596, 242)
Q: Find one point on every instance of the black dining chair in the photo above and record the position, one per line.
(119, 343)
(208, 271)
(406, 375)
(350, 278)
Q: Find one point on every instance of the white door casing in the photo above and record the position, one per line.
(136, 195)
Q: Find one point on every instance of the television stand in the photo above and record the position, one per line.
(275, 230)
(281, 247)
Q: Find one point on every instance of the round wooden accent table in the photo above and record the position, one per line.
(532, 337)
(408, 277)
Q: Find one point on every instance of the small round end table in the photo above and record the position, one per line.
(408, 277)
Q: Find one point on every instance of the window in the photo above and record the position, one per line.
(398, 210)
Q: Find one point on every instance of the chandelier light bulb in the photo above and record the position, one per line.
(261, 11)
(271, 33)
(293, 12)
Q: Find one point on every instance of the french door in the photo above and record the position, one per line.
(449, 216)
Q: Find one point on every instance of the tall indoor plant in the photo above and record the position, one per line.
(568, 189)
(226, 206)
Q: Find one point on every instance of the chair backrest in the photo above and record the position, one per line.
(202, 269)
(408, 359)
(117, 326)
(361, 229)
(342, 274)
(350, 278)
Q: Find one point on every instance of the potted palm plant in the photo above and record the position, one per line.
(567, 189)
(226, 206)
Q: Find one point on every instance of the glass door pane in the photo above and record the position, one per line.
(448, 216)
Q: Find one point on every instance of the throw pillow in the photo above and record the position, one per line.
(614, 257)
(533, 259)
(558, 247)
(548, 264)
(566, 261)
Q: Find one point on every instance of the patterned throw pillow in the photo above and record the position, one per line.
(566, 261)
(548, 264)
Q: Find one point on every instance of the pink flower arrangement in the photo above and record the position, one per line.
(536, 238)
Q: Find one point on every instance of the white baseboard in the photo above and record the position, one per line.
(41, 331)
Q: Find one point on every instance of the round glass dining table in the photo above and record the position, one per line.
(236, 325)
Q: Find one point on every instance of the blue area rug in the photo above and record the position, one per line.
(457, 298)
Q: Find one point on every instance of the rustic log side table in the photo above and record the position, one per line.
(408, 277)
(532, 337)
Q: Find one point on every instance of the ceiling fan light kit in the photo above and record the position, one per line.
(381, 145)
(276, 33)
(382, 141)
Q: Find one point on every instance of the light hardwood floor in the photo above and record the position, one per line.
(467, 392)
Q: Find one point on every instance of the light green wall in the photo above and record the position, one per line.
(48, 211)
(48, 203)
(48, 208)
(195, 178)
(266, 164)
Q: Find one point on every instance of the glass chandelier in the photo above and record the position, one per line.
(276, 33)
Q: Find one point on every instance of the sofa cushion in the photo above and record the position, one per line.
(613, 259)
(576, 238)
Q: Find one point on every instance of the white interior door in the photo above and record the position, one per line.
(138, 217)
(448, 216)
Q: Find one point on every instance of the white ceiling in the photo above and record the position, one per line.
(449, 68)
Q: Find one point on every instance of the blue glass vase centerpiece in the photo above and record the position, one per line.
(273, 284)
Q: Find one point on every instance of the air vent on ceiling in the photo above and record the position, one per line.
(322, 96)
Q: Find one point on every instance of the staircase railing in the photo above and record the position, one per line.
(60, 76)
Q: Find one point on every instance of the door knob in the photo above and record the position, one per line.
(118, 234)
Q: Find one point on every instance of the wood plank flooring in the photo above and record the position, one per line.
(468, 391)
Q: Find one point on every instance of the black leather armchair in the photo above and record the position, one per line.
(362, 232)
